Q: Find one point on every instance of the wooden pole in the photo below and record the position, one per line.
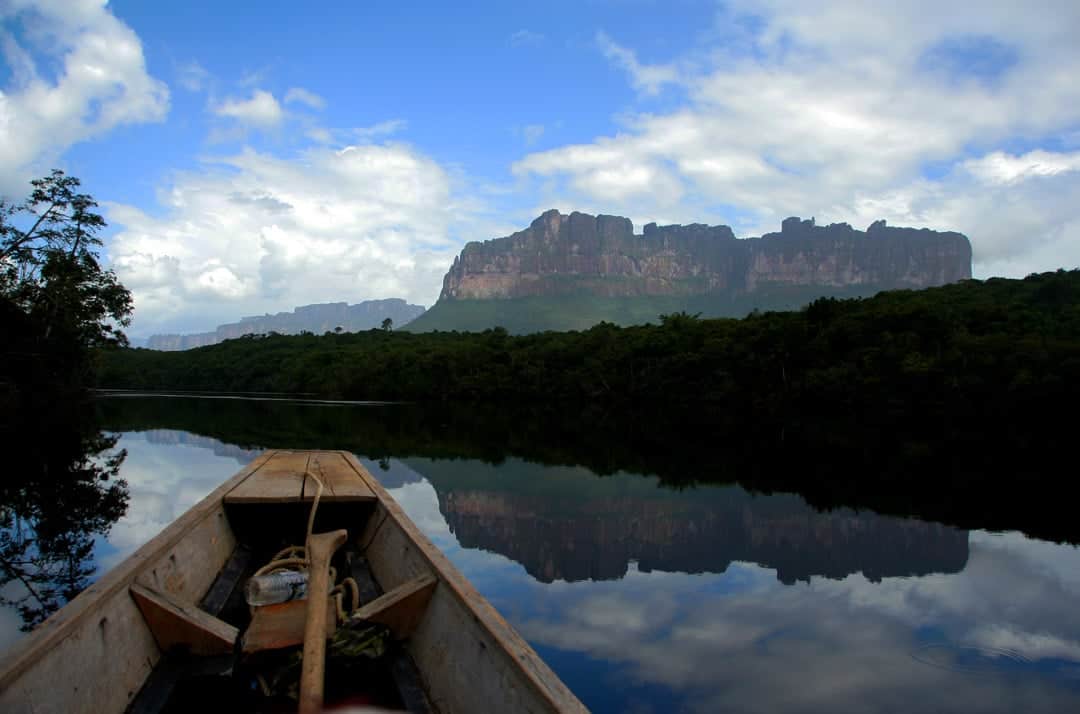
(320, 547)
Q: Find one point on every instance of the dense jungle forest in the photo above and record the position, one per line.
(975, 347)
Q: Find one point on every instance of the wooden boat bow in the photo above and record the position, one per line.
(103, 651)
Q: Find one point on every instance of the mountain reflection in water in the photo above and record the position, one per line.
(641, 605)
(569, 535)
(645, 597)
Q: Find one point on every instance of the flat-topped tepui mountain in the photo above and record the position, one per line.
(312, 318)
(572, 271)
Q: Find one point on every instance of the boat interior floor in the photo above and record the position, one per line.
(238, 682)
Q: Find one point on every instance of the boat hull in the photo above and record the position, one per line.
(96, 653)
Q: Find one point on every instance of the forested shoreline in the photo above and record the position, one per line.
(1000, 344)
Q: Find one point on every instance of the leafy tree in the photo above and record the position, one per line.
(56, 300)
(387, 325)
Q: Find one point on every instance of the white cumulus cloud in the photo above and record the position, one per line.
(1002, 168)
(258, 232)
(260, 110)
(76, 73)
(851, 112)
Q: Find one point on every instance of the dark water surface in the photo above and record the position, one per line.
(645, 589)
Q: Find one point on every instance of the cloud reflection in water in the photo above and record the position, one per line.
(987, 623)
(1002, 634)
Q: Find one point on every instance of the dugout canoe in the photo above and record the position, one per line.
(161, 618)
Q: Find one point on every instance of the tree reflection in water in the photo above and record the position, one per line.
(59, 493)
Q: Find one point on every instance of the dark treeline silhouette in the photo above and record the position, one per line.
(56, 301)
(999, 344)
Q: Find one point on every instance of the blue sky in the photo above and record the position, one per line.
(252, 157)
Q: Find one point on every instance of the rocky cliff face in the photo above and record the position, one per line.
(313, 318)
(601, 255)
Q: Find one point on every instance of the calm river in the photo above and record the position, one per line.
(644, 597)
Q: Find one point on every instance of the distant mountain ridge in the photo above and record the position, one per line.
(318, 318)
(571, 271)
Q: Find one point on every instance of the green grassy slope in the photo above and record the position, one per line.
(581, 311)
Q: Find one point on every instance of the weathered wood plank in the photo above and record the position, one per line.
(402, 608)
(274, 627)
(340, 482)
(172, 668)
(402, 667)
(159, 686)
(178, 624)
(103, 630)
(283, 480)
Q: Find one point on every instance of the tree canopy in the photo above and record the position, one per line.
(57, 302)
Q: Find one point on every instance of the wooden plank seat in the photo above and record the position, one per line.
(176, 666)
(175, 623)
(286, 478)
(279, 626)
(401, 608)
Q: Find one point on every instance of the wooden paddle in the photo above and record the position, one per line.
(320, 547)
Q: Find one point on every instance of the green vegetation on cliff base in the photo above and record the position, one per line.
(581, 311)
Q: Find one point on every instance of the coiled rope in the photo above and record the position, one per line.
(295, 558)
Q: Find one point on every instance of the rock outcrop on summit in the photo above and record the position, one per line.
(561, 254)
